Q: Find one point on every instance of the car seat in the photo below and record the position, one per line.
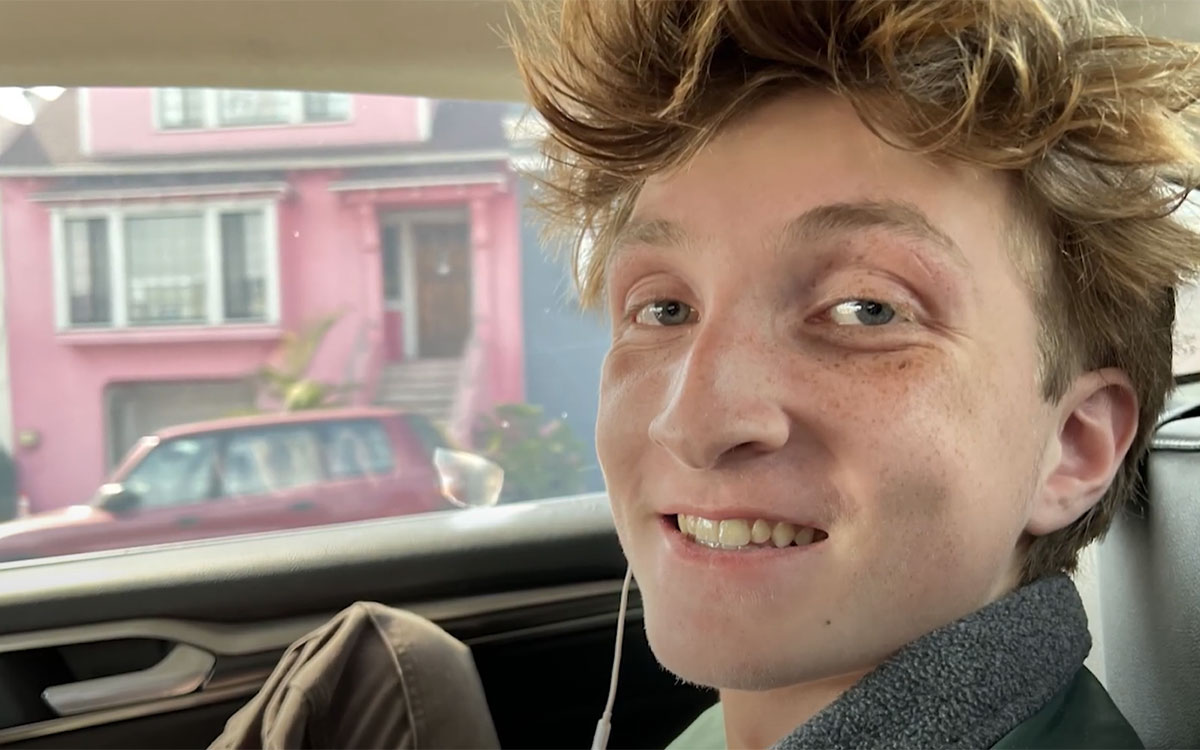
(1148, 582)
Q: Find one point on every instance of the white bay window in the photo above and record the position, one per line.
(200, 265)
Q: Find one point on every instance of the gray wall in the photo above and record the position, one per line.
(563, 347)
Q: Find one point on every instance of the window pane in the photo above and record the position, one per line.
(393, 281)
(181, 108)
(358, 449)
(165, 268)
(178, 472)
(265, 461)
(326, 107)
(87, 271)
(235, 107)
(244, 265)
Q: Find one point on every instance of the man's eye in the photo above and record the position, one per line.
(862, 312)
(665, 312)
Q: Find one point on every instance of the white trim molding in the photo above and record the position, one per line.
(449, 180)
(425, 107)
(251, 164)
(240, 190)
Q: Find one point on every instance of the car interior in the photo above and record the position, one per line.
(159, 646)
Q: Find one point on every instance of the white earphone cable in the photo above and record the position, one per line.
(600, 740)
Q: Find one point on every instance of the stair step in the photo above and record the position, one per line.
(426, 366)
(416, 403)
(425, 386)
(403, 397)
(422, 374)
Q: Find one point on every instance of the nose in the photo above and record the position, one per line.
(723, 400)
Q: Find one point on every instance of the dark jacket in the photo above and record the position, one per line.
(1010, 675)
(1081, 715)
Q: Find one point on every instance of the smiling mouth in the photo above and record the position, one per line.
(745, 533)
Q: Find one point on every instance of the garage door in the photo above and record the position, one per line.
(137, 409)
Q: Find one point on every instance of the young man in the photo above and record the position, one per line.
(891, 291)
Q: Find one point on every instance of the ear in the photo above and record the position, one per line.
(1098, 421)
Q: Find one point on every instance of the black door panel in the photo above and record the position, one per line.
(319, 570)
(533, 588)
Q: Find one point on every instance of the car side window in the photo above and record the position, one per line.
(177, 472)
(270, 460)
(357, 449)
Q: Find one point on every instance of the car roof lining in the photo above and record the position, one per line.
(450, 49)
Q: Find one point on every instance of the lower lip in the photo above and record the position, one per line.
(691, 551)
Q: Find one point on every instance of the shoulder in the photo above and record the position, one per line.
(1081, 715)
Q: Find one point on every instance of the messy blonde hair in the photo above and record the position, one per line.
(1090, 117)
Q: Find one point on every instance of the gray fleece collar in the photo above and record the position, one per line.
(966, 684)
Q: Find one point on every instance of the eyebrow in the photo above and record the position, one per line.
(898, 217)
(652, 232)
(816, 223)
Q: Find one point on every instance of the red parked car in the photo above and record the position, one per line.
(247, 474)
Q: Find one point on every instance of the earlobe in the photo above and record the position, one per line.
(1099, 422)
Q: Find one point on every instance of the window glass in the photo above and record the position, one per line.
(1187, 306)
(265, 461)
(244, 265)
(165, 269)
(358, 449)
(195, 109)
(326, 107)
(336, 284)
(181, 108)
(175, 473)
(299, 296)
(87, 269)
(393, 270)
(253, 107)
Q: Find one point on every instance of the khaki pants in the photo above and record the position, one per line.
(373, 677)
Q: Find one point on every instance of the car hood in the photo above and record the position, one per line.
(74, 515)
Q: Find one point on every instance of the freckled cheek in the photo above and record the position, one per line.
(876, 390)
(628, 399)
(889, 421)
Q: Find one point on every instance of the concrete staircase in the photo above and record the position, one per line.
(421, 386)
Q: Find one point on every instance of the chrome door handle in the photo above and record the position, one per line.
(182, 671)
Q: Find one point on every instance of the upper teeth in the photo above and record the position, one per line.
(733, 533)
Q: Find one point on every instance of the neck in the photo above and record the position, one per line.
(757, 719)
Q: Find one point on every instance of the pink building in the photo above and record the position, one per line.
(159, 244)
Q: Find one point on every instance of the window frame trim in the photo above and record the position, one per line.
(115, 215)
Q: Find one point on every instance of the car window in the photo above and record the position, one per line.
(340, 285)
(1187, 308)
(265, 461)
(348, 290)
(357, 449)
(175, 473)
